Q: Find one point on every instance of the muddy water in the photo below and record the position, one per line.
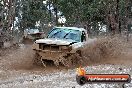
(64, 79)
(108, 50)
(17, 69)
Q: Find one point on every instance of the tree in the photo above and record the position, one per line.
(89, 12)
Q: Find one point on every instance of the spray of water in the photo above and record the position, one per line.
(104, 49)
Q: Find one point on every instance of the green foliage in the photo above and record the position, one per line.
(85, 10)
(89, 10)
(33, 11)
(75, 11)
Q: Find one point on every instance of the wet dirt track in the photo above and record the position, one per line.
(63, 79)
(17, 71)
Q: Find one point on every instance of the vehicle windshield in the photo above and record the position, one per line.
(62, 33)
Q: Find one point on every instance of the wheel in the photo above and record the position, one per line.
(67, 61)
(37, 60)
(81, 80)
(56, 62)
(78, 58)
(71, 60)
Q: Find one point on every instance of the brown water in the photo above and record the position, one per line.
(19, 62)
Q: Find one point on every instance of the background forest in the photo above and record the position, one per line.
(97, 16)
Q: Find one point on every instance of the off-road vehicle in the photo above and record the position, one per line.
(62, 46)
(32, 34)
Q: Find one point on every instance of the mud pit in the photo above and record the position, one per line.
(17, 69)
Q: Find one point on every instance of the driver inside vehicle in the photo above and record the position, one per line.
(83, 37)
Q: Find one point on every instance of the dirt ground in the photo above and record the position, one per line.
(17, 70)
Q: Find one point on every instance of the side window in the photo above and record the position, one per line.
(83, 36)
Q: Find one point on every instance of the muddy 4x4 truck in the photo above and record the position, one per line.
(62, 46)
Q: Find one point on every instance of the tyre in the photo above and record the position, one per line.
(37, 60)
(71, 60)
